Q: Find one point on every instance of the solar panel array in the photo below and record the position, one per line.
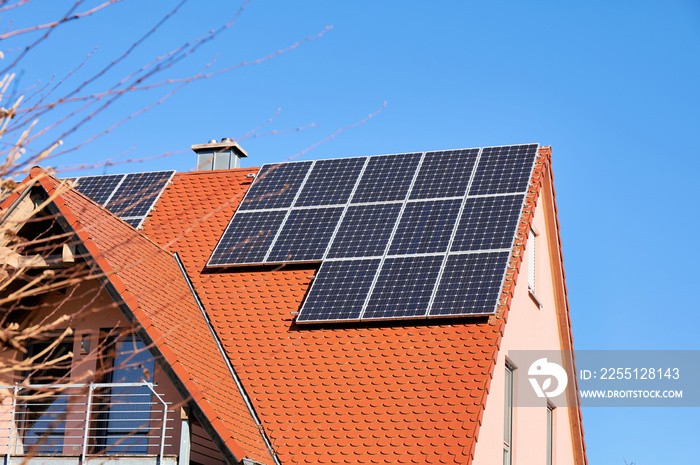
(415, 235)
(129, 196)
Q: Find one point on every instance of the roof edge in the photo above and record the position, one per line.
(541, 182)
(513, 269)
(564, 316)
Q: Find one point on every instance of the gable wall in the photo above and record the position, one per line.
(529, 328)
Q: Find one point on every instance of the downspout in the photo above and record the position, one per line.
(237, 380)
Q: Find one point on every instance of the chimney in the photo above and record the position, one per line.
(224, 155)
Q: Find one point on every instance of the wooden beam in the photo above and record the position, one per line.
(68, 253)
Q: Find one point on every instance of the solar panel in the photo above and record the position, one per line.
(398, 236)
(470, 284)
(137, 193)
(387, 178)
(247, 239)
(306, 235)
(365, 231)
(331, 182)
(339, 291)
(98, 188)
(403, 288)
(504, 170)
(444, 174)
(133, 222)
(488, 223)
(425, 227)
(276, 186)
(129, 196)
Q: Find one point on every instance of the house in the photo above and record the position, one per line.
(259, 324)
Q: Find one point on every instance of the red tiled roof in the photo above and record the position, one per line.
(150, 283)
(382, 393)
(412, 392)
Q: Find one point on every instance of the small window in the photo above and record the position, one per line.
(531, 260)
(532, 266)
(508, 417)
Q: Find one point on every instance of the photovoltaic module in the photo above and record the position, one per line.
(128, 196)
(414, 235)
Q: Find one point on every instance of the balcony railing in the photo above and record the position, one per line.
(84, 420)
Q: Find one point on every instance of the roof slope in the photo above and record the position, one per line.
(360, 393)
(150, 283)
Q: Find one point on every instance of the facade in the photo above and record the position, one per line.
(218, 351)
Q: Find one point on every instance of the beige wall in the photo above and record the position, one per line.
(529, 327)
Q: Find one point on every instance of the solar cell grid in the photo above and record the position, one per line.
(137, 193)
(405, 214)
(403, 288)
(276, 186)
(98, 188)
(387, 178)
(305, 235)
(365, 231)
(133, 222)
(488, 223)
(444, 174)
(339, 291)
(425, 227)
(330, 182)
(247, 238)
(470, 284)
(504, 170)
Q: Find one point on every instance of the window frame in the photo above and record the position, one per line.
(105, 422)
(508, 397)
(49, 439)
(532, 265)
(550, 435)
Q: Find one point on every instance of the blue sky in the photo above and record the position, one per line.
(611, 86)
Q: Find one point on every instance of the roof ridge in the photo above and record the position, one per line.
(204, 172)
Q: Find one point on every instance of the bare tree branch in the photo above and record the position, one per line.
(65, 19)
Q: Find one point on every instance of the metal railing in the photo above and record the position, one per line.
(84, 419)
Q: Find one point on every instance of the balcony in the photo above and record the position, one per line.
(111, 423)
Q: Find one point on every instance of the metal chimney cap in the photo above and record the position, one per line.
(220, 146)
(225, 139)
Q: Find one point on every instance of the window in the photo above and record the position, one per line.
(123, 417)
(52, 360)
(120, 406)
(531, 256)
(532, 265)
(550, 433)
(42, 411)
(508, 417)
